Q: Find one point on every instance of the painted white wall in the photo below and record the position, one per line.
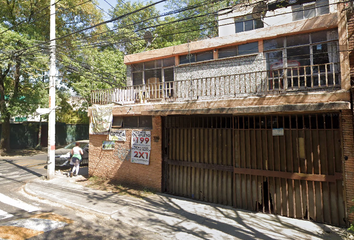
(226, 17)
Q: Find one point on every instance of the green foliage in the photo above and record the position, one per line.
(193, 20)
(351, 228)
(22, 74)
(130, 30)
(94, 69)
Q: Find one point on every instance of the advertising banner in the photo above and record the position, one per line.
(141, 146)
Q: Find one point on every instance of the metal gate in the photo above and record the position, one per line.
(288, 165)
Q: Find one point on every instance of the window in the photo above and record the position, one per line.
(196, 57)
(153, 71)
(246, 23)
(132, 122)
(309, 10)
(243, 49)
(303, 55)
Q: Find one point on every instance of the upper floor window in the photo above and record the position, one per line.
(196, 57)
(247, 23)
(132, 122)
(243, 49)
(303, 58)
(153, 71)
(309, 10)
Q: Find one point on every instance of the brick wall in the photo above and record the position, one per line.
(347, 126)
(350, 20)
(348, 148)
(116, 165)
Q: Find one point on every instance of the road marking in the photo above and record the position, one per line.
(37, 224)
(17, 203)
(4, 215)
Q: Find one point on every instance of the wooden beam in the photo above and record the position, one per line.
(289, 175)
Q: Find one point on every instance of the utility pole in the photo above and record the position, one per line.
(51, 119)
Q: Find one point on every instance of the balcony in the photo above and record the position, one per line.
(321, 77)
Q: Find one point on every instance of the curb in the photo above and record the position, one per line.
(61, 204)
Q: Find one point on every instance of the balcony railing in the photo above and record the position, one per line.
(292, 79)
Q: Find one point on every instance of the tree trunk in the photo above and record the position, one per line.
(5, 115)
(5, 134)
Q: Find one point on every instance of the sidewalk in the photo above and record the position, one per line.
(179, 218)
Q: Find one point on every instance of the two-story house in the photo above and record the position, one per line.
(259, 118)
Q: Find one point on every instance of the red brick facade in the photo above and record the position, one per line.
(347, 126)
(116, 165)
(348, 156)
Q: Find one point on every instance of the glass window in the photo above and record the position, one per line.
(117, 121)
(137, 78)
(323, 7)
(298, 12)
(320, 53)
(299, 55)
(310, 9)
(145, 122)
(239, 27)
(152, 76)
(149, 65)
(274, 60)
(249, 25)
(204, 56)
(151, 70)
(189, 58)
(137, 67)
(168, 74)
(227, 52)
(248, 48)
(258, 23)
(273, 44)
(297, 40)
(130, 122)
(319, 36)
(169, 62)
(137, 122)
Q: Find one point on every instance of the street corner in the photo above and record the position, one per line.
(32, 226)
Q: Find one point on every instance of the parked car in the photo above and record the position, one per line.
(63, 155)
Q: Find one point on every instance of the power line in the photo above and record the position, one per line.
(100, 8)
(115, 19)
(98, 44)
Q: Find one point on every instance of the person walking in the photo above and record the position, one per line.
(76, 153)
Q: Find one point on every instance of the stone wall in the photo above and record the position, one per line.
(221, 67)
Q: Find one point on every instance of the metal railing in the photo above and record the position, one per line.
(279, 81)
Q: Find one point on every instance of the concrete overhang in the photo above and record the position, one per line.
(289, 108)
(295, 102)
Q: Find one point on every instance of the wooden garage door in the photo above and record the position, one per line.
(288, 165)
(198, 160)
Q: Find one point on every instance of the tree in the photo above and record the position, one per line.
(24, 41)
(130, 29)
(92, 69)
(22, 80)
(196, 19)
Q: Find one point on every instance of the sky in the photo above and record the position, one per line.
(105, 5)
